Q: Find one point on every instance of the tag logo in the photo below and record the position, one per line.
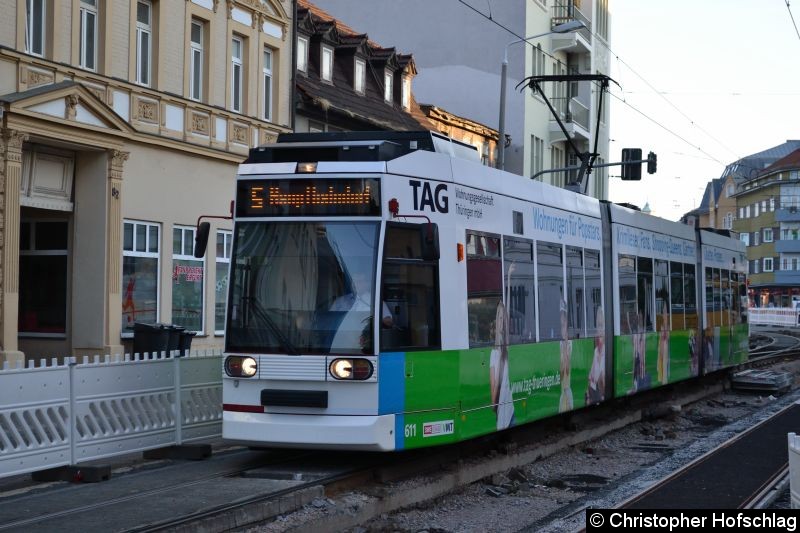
(435, 429)
(434, 199)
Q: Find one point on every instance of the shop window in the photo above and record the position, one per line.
(43, 278)
(187, 281)
(140, 254)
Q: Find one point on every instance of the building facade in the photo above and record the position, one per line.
(458, 53)
(769, 224)
(121, 122)
(347, 82)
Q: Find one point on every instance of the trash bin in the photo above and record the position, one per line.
(174, 332)
(186, 341)
(149, 338)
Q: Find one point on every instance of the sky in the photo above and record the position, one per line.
(702, 83)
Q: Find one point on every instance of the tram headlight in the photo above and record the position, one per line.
(241, 367)
(351, 369)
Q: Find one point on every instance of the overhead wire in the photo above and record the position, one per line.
(792, 17)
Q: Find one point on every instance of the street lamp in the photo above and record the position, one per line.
(567, 27)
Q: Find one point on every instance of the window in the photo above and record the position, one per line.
(140, 273)
(187, 281)
(484, 287)
(755, 209)
(519, 291)
(360, 76)
(627, 294)
(221, 287)
(741, 212)
(756, 235)
(196, 61)
(302, 54)
(677, 301)
(767, 264)
(661, 282)
(727, 222)
(537, 155)
(772, 203)
(601, 26)
(43, 264)
(410, 292)
(550, 265)
(88, 35)
(144, 31)
(35, 26)
(538, 66)
(327, 64)
(575, 291)
(745, 237)
(767, 234)
(594, 292)
(406, 93)
(644, 293)
(747, 211)
(267, 75)
(730, 190)
(388, 87)
(236, 74)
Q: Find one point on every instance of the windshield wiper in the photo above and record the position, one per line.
(263, 315)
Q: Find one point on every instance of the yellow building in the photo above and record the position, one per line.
(121, 122)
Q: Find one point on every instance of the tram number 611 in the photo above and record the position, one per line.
(411, 430)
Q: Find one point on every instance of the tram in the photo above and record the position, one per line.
(388, 292)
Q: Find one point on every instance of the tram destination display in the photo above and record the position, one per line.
(308, 197)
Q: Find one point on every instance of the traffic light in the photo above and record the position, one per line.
(651, 163)
(632, 164)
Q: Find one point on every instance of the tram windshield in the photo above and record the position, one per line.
(302, 287)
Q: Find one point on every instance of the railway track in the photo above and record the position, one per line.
(265, 484)
(730, 476)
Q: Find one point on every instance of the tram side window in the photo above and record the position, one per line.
(549, 260)
(594, 290)
(627, 294)
(690, 296)
(484, 287)
(662, 295)
(410, 292)
(736, 310)
(742, 297)
(575, 289)
(725, 297)
(519, 283)
(644, 293)
(678, 303)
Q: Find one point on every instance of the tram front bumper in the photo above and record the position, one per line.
(348, 432)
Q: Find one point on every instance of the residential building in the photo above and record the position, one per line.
(121, 122)
(769, 223)
(458, 52)
(347, 82)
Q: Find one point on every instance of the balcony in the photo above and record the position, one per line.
(787, 246)
(579, 42)
(575, 118)
(787, 214)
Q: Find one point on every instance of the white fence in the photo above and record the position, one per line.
(794, 469)
(772, 316)
(69, 413)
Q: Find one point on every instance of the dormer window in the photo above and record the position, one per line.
(388, 86)
(405, 97)
(360, 76)
(302, 54)
(327, 64)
